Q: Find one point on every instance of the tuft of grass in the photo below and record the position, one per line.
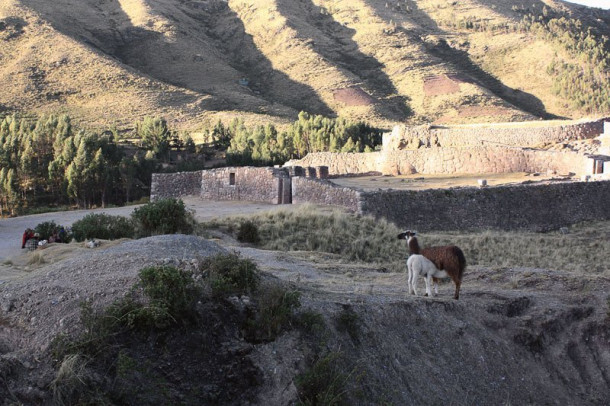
(36, 259)
(70, 380)
(323, 384)
(276, 306)
(248, 232)
(311, 323)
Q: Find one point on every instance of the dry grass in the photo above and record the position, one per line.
(70, 379)
(362, 239)
(308, 49)
(583, 250)
(354, 238)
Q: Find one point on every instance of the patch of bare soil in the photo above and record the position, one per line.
(353, 96)
(440, 84)
(516, 336)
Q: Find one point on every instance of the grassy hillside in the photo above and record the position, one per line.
(111, 62)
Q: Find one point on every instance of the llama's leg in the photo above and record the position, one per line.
(435, 283)
(429, 285)
(410, 279)
(415, 280)
(457, 289)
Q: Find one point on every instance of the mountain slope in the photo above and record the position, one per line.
(110, 62)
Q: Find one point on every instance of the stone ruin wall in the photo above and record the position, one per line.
(517, 135)
(251, 183)
(531, 207)
(475, 160)
(166, 185)
(316, 191)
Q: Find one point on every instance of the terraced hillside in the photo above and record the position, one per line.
(110, 62)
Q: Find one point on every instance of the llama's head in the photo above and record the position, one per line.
(406, 235)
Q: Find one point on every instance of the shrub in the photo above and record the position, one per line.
(324, 383)
(165, 216)
(167, 297)
(276, 306)
(171, 292)
(47, 228)
(311, 323)
(230, 275)
(102, 226)
(248, 232)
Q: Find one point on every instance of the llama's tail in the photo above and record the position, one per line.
(461, 261)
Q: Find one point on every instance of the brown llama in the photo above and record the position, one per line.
(449, 258)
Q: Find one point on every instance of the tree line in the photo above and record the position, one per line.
(266, 145)
(48, 162)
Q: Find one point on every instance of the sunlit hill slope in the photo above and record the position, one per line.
(111, 62)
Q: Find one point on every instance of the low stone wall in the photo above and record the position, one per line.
(324, 192)
(507, 134)
(524, 207)
(244, 183)
(166, 185)
(474, 160)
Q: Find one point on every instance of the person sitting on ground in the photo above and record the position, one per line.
(27, 234)
(54, 237)
(61, 236)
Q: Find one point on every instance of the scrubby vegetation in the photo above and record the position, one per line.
(231, 275)
(103, 226)
(166, 316)
(165, 216)
(48, 229)
(325, 382)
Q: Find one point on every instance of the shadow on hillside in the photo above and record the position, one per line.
(520, 99)
(243, 55)
(182, 62)
(334, 42)
(463, 64)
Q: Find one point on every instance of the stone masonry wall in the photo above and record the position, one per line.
(516, 135)
(250, 183)
(531, 207)
(165, 185)
(477, 160)
(316, 191)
